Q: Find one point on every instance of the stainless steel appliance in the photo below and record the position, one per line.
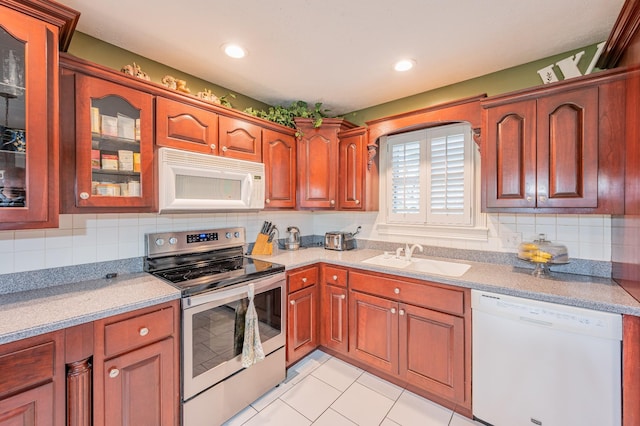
(214, 277)
(293, 238)
(340, 241)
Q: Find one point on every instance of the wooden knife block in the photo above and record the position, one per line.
(261, 245)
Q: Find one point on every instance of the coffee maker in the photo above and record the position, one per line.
(292, 242)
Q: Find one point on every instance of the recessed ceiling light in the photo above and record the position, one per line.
(234, 51)
(404, 65)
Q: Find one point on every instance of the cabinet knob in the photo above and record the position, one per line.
(224, 149)
(335, 278)
(304, 280)
(529, 198)
(113, 373)
(267, 201)
(144, 331)
(293, 302)
(401, 312)
(393, 310)
(542, 198)
(357, 201)
(343, 296)
(84, 195)
(213, 146)
(332, 202)
(396, 290)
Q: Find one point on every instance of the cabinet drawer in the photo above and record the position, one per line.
(27, 367)
(138, 331)
(416, 293)
(301, 278)
(335, 276)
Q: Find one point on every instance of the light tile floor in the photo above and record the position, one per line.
(322, 390)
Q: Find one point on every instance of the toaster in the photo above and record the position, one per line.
(339, 241)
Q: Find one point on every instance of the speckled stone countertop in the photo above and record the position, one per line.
(33, 312)
(601, 294)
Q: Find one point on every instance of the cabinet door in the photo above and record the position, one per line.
(30, 408)
(240, 139)
(373, 331)
(279, 157)
(139, 388)
(351, 171)
(114, 147)
(317, 168)
(334, 324)
(302, 324)
(183, 126)
(509, 155)
(432, 351)
(567, 157)
(28, 119)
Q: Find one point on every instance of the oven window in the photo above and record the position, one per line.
(218, 333)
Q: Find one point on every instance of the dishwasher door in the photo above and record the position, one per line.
(538, 363)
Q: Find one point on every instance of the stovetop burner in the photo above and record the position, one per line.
(197, 262)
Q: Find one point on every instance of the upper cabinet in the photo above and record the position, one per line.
(337, 169)
(187, 127)
(279, 158)
(31, 34)
(555, 149)
(240, 139)
(107, 146)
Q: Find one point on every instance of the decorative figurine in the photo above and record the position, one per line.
(135, 71)
(182, 86)
(206, 95)
(169, 82)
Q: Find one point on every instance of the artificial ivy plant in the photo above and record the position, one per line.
(285, 115)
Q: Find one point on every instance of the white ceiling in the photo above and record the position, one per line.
(341, 53)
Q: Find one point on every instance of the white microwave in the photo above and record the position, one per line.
(192, 182)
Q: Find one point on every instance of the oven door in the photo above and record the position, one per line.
(214, 330)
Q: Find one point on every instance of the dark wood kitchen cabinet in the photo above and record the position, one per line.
(357, 171)
(240, 139)
(107, 144)
(32, 382)
(555, 149)
(280, 167)
(302, 313)
(416, 331)
(136, 368)
(318, 162)
(31, 35)
(334, 308)
(187, 127)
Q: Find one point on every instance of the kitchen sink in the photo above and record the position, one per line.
(428, 266)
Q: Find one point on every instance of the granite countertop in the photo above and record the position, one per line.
(602, 294)
(33, 312)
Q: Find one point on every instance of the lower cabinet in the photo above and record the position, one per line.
(32, 385)
(302, 313)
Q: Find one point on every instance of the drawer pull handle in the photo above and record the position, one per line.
(396, 290)
(393, 310)
(401, 312)
(293, 302)
(144, 331)
(335, 278)
(304, 280)
(113, 373)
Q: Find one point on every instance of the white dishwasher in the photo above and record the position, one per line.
(538, 363)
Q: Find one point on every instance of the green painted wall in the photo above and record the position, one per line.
(108, 55)
(508, 80)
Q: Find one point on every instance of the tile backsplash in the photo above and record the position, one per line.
(89, 238)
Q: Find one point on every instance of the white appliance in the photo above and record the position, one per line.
(190, 181)
(544, 364)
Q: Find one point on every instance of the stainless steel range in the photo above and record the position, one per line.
(215, 277)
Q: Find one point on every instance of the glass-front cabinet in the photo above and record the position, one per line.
(28, 119)
(113, 147)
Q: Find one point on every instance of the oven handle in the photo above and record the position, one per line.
(260, 286)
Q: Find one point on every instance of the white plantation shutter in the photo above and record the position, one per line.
(429, 175)
(405, 179)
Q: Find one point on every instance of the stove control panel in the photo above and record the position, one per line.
(170, 243)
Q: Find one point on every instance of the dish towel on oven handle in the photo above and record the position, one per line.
(252, 351)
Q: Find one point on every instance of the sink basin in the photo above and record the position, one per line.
(428, 266)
